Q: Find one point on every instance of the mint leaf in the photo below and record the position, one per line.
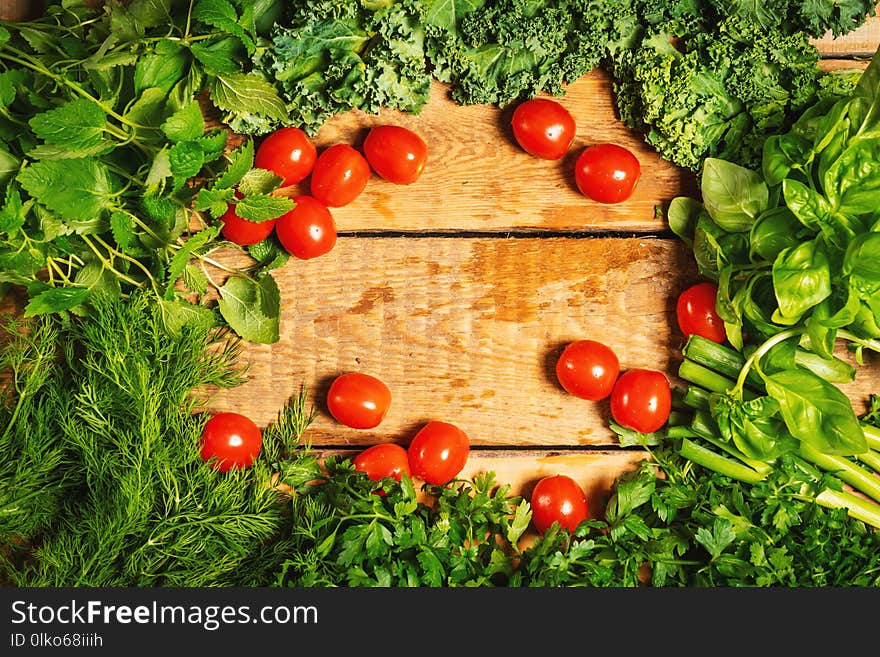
(76, 189)
(151, 13)
(214, 201)
(9, 164)
(178, 314)
(185, 253)
(247, 93)
(222, 15)
(12, 214)
(186, 124)
(240, 162)
(213, 144)
(218, 55)
(55, 300)
(186, 159)
(252, 308)
(259, 181)
(78, 122)
(263, 207)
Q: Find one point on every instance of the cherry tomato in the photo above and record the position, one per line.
(358, 400)
(543, 128)
(607, 173)
(558, 498)
(438, 452)
(641, 400)
(230, 440)
(308, 230)
(395, 153)
(383, 460)
(243, 232)
(339, 176)
(288, 153)
(695, 310)
(587, 369)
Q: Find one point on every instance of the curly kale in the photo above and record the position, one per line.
(331, 57)
(715, 93)
(499, 52)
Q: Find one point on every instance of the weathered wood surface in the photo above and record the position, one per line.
(460, 290)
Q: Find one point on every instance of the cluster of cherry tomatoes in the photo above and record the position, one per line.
(337, 176)
(640, 399)
(603, 172)
(436, 454)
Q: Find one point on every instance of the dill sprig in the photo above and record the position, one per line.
(101, 477)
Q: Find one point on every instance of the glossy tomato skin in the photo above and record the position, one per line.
(696, 314)
(243, 232)
(438, 452)
(339, 176)
(232, 439)
(383, 460)
(543, 128)
(289, 153)
(358, 400)
(307, 231)
(587, 369)
(641, 400)
(558, 498)
(607, 173)
(395, 153)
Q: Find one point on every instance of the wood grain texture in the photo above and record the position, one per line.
(468, 330)
(477, 177)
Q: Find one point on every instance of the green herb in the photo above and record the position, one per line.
(108, 154)
(101, 477)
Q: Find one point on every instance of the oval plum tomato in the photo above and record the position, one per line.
(358, 400)
(288, 153)
(438, 452)
(395, 153)
(641, 400)
(308, 230)
(242, 231)
(230, 440)
(558, 498)
(383, 460)
(339, 176)
(695, 311)
(607, 173)
(543, 128)
(587, 369)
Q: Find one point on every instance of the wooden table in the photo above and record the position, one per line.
(460, 290)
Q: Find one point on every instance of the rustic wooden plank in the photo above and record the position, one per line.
(478, 178)
(861, 42)
(468, 330)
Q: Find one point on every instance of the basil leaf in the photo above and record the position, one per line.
(733, 195)
(252, 307)
(816, 412)
(801, 279)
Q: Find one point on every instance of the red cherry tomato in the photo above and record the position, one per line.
(641, 400)
(558, 498)
(438, 452)
(543, 128)
(307, 231)
(339, 176)
(383, 460)
(243, 232)
(230, 440)
(395, 153)
(587, 369)
(288, 153)
(607, 173)
(358, 400)
(695, 310)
